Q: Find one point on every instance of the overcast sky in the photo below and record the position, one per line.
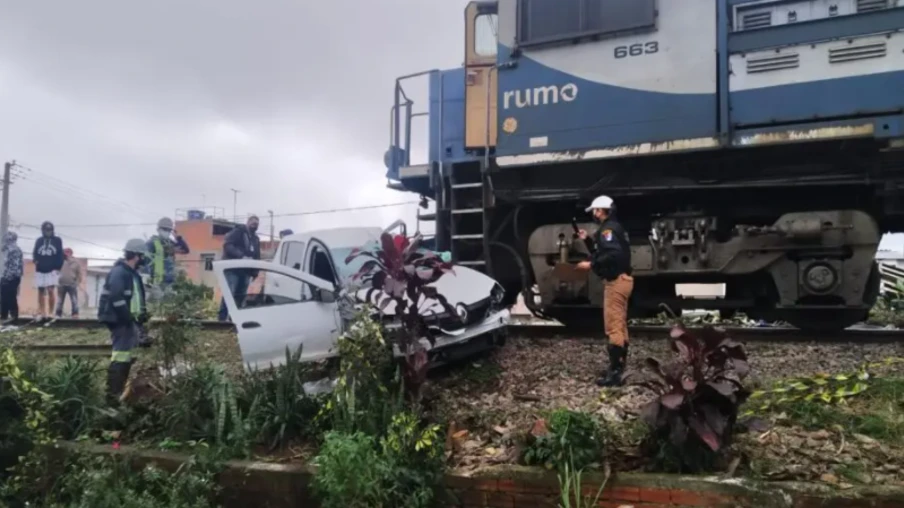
(126, 111)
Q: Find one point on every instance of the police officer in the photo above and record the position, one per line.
(611, 262)
(122, 308)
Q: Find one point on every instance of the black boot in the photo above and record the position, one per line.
(117, 375)
(617, 358)
(605, 372)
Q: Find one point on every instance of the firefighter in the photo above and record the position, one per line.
(162, 249)
(123, 309)
(611, 262)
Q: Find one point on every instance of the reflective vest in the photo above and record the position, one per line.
(158, 262)
(135, 304)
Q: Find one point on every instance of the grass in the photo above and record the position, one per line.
(877, 413)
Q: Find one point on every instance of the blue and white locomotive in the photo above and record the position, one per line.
(756, 143)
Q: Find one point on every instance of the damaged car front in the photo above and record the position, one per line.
(301, 297)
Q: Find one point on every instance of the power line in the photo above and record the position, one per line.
(53, 181)
(294, 214)
(72, 238)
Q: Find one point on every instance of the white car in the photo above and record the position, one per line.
(294, 299)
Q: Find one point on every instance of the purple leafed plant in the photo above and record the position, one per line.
(398, 271)
(700, 392)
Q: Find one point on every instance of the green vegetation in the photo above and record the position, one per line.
(372, 439)
(572, 440)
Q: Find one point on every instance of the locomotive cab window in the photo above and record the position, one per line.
(549, 21)
(485, 34)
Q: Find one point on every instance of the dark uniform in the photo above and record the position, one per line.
(122, 308)
(611, 262)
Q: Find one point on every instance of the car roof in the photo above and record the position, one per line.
(338, 238)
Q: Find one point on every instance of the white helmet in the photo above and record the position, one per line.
(603, 202)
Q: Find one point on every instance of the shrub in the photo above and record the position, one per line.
(202, 404)
(414, 455)
(108, 482)
(350, 472)
(700, 393)
(400, 272)
(284, 411)
(74, 382)
(25, 426)
(367, 392)
(572, 438)
(404, 468)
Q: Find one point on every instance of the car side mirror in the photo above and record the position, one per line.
(326, 296)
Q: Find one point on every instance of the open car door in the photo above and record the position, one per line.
(319, 263)
(283, 307)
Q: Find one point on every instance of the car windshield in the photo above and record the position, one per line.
(346, 271)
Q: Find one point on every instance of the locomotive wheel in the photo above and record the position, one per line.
(834, 320)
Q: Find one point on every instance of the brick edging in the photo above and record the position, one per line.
(270, 485)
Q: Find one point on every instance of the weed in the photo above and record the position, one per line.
(571, 488)
(572, 437)
(877, 413)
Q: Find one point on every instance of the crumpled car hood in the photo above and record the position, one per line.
(463, 285)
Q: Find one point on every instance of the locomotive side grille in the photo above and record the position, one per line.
(772, 63)
(756, 20)
(871, 5)
(858, 52)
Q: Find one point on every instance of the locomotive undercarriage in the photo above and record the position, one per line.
(791, 231)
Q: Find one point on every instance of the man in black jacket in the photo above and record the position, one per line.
(122, 307)
(48, 259)
(241, 243)
(611, 262)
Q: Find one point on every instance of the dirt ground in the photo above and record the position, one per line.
(498, 398)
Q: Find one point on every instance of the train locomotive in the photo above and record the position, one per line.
(754, 143)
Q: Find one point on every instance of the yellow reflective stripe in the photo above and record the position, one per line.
(158, 260)
(121, 356)
(136, 304)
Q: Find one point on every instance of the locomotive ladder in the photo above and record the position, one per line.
(468, 203)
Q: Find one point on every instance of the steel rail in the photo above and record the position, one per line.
(523, 331)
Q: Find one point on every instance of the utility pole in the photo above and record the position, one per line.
(272, 231)
(4, 208)
(235, 200)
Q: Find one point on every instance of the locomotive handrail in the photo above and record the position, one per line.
(399, 150)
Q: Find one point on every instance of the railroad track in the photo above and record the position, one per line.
(527, 331)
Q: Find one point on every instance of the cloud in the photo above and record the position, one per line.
(128, 111)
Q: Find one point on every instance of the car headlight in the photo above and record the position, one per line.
(497, 294)
(462, 312)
